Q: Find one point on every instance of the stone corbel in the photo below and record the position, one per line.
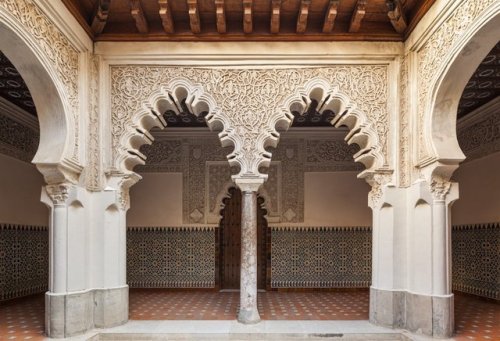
(58, 194)
(66, 171)
(378, 181)
(121, 183)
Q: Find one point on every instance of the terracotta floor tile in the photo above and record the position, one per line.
(23, 319)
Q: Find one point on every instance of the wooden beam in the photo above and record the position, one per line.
(220, 15)
(330, 16)
(166, 16)
(194, 16)
(100, 17)
(302, 18)
(138, 14)
(357, 16)
(247, 16)
(275, 16)
(396, 15)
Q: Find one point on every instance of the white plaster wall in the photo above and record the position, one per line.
(336, 199)
(156, 200)
(20, 188)
(479, 182)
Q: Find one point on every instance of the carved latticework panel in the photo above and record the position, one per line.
(24, 260)
(164, 257)
(320, 257)
(249, 97)
(17, 140)
(476, 261)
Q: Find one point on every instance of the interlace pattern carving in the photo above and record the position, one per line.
(56, 47)
(434, 55)
(17, 140)
(251, 100)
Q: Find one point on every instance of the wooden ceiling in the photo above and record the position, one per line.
(248, 20)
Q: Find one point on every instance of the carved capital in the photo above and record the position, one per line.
(378, 181)
(440, 188)
(249, 184)
(58, 193)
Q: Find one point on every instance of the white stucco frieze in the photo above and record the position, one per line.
(250, 104)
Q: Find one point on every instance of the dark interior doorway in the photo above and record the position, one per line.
(230, 242)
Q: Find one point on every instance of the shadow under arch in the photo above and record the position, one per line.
(441, 118)
(54, 154)
(361, 130)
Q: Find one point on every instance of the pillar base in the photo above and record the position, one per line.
(420, 314)
(249, 316)
(72, 314)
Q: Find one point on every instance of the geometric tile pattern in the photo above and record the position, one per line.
(166, 257)
(162, 304)
(24, 260)
(476, 259)
(324, 257)
(476, 318)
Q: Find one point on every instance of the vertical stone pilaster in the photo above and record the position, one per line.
(249, 312)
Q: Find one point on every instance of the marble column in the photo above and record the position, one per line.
(248, 277)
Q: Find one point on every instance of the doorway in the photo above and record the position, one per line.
(230, 242)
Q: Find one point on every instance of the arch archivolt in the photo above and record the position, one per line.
(53, 81)
(249, 105)
(441, 81)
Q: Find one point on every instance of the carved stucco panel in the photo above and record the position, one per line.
(249, 96)
(56, 47)
(435, 52)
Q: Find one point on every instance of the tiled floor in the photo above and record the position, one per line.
(23, 319)
(147, 304)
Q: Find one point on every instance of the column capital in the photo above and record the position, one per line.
(58, 193)
(249, 184)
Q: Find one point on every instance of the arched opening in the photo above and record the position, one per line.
(24, 220)
(462, 123)
(475, 220)
(230, 243)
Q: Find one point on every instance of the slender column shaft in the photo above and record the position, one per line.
(59, 249)
(248, 278)
(440, 249)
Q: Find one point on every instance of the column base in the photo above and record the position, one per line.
(72, 314)
(249, 316)
(421, 314)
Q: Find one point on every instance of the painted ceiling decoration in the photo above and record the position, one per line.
(249, 20)
(13, 88)
(484, 85)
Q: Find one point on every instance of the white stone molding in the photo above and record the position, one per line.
(361, 130)
(446, 58)
(28, 39)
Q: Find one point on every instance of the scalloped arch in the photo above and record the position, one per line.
(361, 130)
(165, 98)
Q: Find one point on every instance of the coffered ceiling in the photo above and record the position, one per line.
(248, 20)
